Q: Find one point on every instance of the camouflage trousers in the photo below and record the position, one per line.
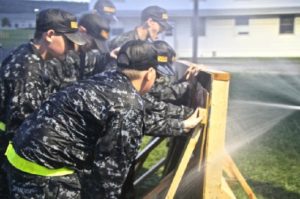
(25, 186)
(3, 185)
(3, 181)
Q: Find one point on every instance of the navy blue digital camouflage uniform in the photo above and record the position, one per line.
(25, 82)
(163, 116)
(94, 61)
(93, 125)
(79, 65)
(122, 39)
(160, 102)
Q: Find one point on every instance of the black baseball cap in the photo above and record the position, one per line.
(61, 22)
(106, 9)
(95, 26)
(139, 55)
(157, 14)
(165, 57)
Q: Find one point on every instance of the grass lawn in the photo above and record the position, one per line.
(271, 163)
(13, 38)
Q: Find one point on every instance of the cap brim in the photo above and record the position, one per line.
(165, 25)
(165, 70)
(111, 17)
(76, 37)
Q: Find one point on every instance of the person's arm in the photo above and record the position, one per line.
(165, 90)
(164, 119)
(158, 124)
(188, 93)
(26, 95)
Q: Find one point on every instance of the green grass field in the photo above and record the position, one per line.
(13, 38)
(271, 163)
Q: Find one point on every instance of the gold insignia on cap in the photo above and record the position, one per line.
(74, 24)
(104, 34)
(163, 59)
(109, 9)
(165, 16)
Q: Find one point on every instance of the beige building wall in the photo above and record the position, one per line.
(222, 39)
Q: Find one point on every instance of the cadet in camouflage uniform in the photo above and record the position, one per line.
(94, 125)
(97, 29)
(93, 57)
(165, 115)
(184, 91)
(168, 93)
(25, 80)
(106, 9)
(154, 20)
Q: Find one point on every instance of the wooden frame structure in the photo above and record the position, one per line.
(200, 170)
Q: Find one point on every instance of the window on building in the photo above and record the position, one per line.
(201, 27)
(242, 25)
(242, 21)
(286, 24)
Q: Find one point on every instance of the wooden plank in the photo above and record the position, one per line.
(215, 74)
(184, 162)
(233, 170)
(226, 192)
(204, 136)
(166, 181)
(214, 150)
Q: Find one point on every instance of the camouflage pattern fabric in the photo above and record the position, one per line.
(164, 119)
(170, 90)
(94, 127)
(93, 62)
(25, 82)
(122, 39)
(77, 66)
(34, 186)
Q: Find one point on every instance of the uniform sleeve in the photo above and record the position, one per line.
(70, 68)
(93, 62)
(164, 119)
(26, 95)
(114, 154)
(120, 40)
(116, 42)
(169, 92)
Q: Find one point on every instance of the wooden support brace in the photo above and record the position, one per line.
(184, 162)
(232, 170)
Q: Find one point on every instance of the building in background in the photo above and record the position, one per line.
(17, 20)
(21, 13)
(227, 28)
